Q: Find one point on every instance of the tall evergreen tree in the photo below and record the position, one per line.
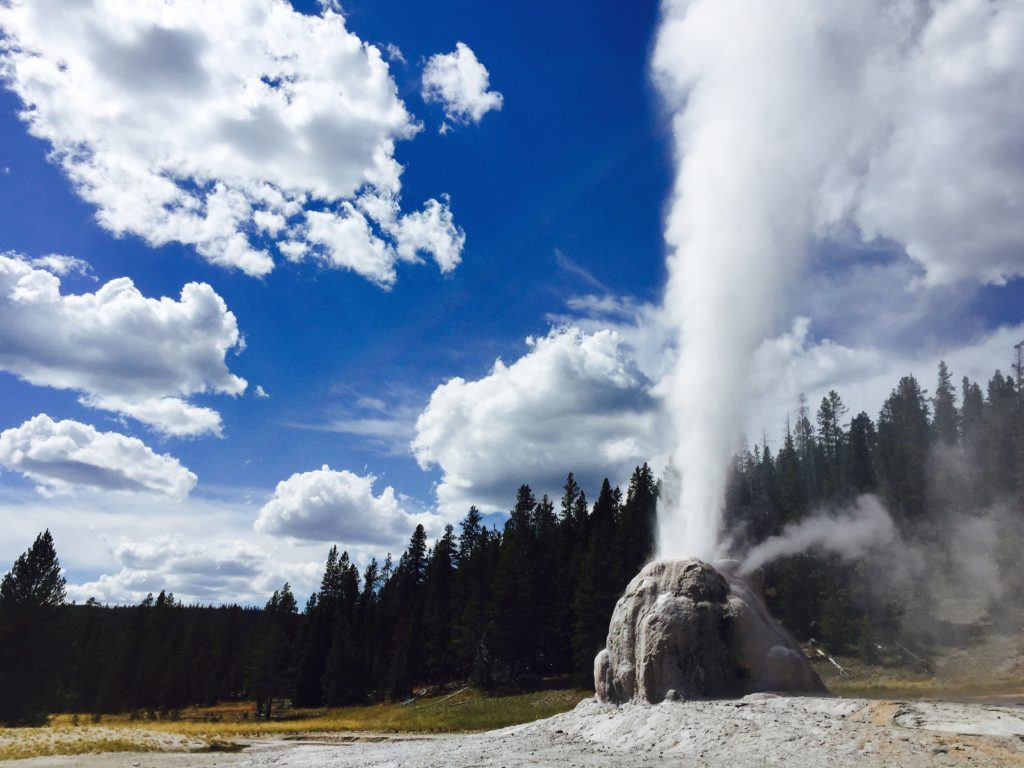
(30, 595)
(406, 615)
(792, 489)
(903, 441)
(807, 451)
(635, 544)
(945, 418)
(596, 584)
(832, 441)
(515, 588)
(862, 441)
(1000, 435)
(438, 607)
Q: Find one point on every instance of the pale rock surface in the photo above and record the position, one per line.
(686, 630)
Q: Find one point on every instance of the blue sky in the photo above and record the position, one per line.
(562, 195)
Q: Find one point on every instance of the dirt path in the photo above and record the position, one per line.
(759, 730)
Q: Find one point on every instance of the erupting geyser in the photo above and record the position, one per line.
(684, 629)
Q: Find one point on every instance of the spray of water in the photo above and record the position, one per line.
(795, 120)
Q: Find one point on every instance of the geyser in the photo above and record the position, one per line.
(685, 629)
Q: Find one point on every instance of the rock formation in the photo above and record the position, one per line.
(683, 629)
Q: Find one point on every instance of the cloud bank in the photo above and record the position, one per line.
(62, 456)
(215, 572)
(238, 127)
(124, 352)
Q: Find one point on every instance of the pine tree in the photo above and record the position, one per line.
(999, 428)
(945, 419)
(903, 442)
(515, 588)
(545, 555)
(438, 588)
(270, 673)
(571, 543)
(405, 614)
(792, 490)
(34, 582)
(31, 594)
(596, 585)
(862, 442)
(832, 442)
(807, 450)
(635, 544)
(473, 580)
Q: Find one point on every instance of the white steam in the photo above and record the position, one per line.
(849, 534)
(798, 120)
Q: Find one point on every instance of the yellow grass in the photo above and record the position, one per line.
(219, 727)
(16, 743)
(990, 668)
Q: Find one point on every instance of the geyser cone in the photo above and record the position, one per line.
(686, 629)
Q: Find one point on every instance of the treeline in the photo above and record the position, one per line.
(522, 605)
(531, 603)
(936, 462)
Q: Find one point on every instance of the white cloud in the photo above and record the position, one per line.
(126, 353)
(62, 265)
(948, 181)
(394, 53)
(212, 123)
(459, 82)
(330, 505)
(575, 402)
(260, 392)
(220, 571)
(201, 548)
(61, 456)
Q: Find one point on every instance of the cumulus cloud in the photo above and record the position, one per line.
(575, 402)
(330, 505)
(124, 352)
(61, 456)
(460, 83)
(221, 571)
(217, 124)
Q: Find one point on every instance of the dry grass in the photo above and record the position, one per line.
(220, 726)
(470, 710)
(17, 743)
(991, 668)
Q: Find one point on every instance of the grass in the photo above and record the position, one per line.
(18, 743)
(217, 728)
(989, 668)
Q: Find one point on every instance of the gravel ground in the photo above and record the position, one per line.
(758, 730)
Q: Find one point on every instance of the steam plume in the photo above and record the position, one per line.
(850, 535)
(797, 119)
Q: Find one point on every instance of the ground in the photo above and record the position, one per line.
(968, 710)
(758, 730)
